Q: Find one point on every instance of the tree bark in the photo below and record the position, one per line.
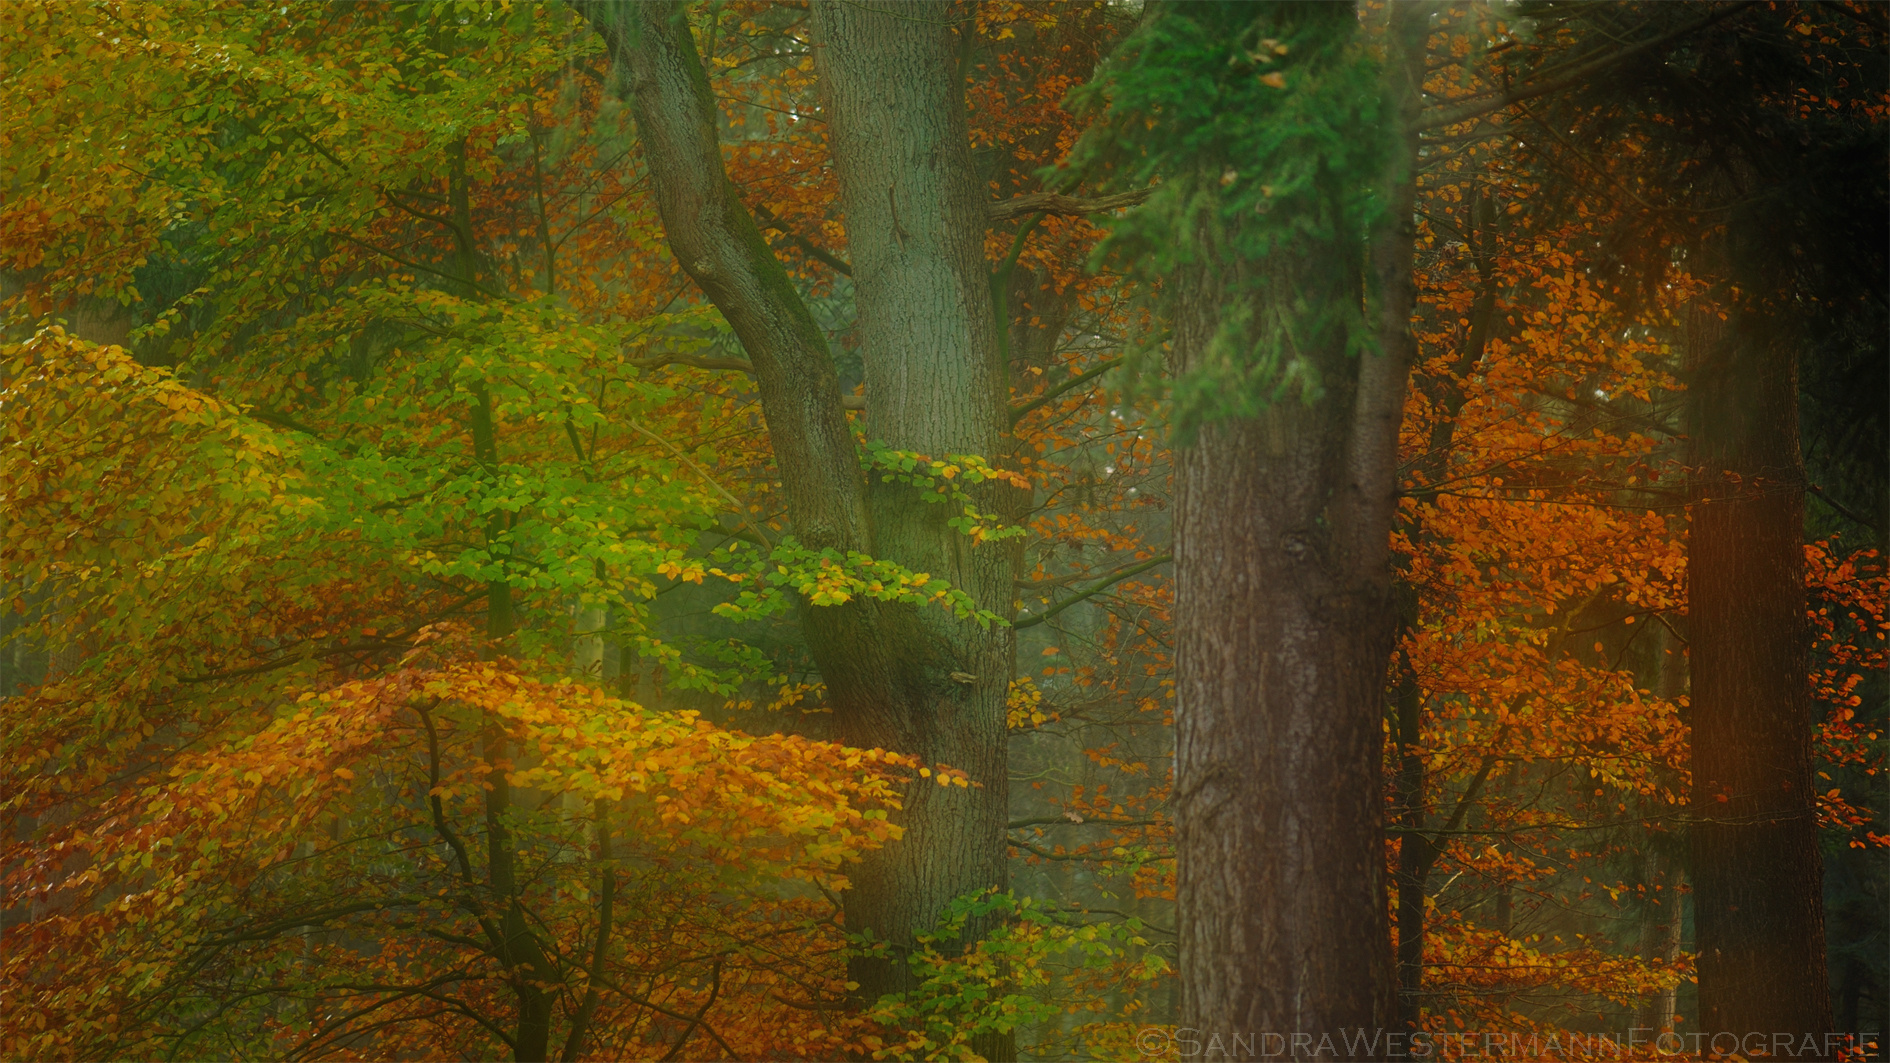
(935, 383)
(1284, 627)
(1282, 636)
(716, 242)
(1757, 874)
(919, 681)
(1415, 852)
(1660, 936)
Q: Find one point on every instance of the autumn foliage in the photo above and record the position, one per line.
(415, 628)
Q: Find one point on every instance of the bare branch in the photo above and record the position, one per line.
(1057, 203)
(1018, 413)
(1134, 570)
(813, 250)
(1438, 117)
(1842, 509)
(696, 360)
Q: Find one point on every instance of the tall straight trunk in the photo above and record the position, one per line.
(915, 680)
(1757, 875)
(1284, 625)
(514, 945)
(510, 938)
(1666, 860)
(1283, 630)
(1660, 936)
(1415, 851)
(916, 213)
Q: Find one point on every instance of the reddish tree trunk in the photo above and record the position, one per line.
(1757, 875)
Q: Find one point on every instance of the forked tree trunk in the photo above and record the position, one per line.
(1757, 876)
(1284, 626)
(915, 680)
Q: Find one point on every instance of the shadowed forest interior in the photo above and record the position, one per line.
(950, 529)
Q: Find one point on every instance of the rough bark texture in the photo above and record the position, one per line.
(1284, 624)
(935, 384)
(1757, 875)
(1415, 852)
(918, 681)
(1282, 640)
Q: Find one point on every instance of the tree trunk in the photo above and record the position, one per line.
(916, 217)
(1415, 854)
(1757, 875)
(1282, 638)
(1660, 936)
(915, 680)
(1284, 625)
(1666, 853)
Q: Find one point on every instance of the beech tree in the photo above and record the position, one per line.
(385, 612)
(916, 216)
(287, 800)
(483, 233)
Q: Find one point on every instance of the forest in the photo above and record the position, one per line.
(944, 530)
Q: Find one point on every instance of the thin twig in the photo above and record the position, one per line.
(1437, 117)
(1057, 203)
(1018, 413)
(740, 510)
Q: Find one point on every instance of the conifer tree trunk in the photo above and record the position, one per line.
(1757, 874)
(1284, 625)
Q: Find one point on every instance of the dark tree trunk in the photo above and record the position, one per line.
(1281, 644)
(1284, 625)
(1757, 875)
(918, 681)
(1416, 854)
